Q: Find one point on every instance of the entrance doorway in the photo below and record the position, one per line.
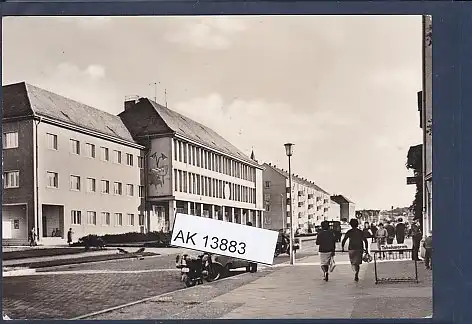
(53, 221)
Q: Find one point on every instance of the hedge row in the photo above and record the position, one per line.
(157, 238)
(36, 253)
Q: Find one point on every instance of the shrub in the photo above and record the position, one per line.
(91, 240)
(157, 238)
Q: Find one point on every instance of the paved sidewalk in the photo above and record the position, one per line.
(299, 292)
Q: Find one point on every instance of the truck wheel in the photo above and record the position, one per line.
(216, 272)
(187, 281)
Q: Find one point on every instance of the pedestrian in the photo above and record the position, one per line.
(400, 231)
(381, 237)
(357, 242)
(416, 236)
(252, 265)
(428, 255)
(69, 237)
(32, 237)
(373, 229)
(326, 240)
(390, 231)
(367, 231)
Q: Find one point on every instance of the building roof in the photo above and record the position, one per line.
(340, 199)
(298, 179)
(22, 99)
(181, 125)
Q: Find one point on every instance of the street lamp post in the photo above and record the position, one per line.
(289, 152)
(284, 211)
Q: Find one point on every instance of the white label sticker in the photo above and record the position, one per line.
(224, 238)
(394, 247)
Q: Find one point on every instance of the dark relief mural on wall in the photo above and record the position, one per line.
(159, 168)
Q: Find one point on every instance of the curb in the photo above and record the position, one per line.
(19, 272)
(58, 267)
(22, 264)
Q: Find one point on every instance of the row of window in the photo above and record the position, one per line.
(90, 151)
(11, 179)
(200, 157)
(76, 218)
(10, 140)
(206, 186)
(91, 185)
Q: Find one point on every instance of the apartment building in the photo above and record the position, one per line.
(348, 208)
(310, 203)
(191, 169)
(334, 211)
(66, 165)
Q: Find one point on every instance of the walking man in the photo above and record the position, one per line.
(373, 229)
(326, 239)
(357, 245)
(69, 236)
(428, 254)
(32, 237)
(416, 235)
(390, 231)
(400, 231)
(381, 236)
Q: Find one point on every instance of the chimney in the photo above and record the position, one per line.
(131, 102)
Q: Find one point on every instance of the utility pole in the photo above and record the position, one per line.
(155, 89)
(165, 96)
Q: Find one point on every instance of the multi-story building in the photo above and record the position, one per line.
(423, 152)
(334, 211)
(310, 203)
(348, 208)
(191, 169)
(426, 124)
(66, 165)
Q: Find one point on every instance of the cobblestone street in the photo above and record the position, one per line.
(69, 295)
(74, 290)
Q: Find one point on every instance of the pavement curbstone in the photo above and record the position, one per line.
(18, 272)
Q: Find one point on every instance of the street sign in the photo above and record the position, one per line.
(387, 247)
(224, 238)
(412, 180)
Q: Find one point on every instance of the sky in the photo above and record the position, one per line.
(341, 88)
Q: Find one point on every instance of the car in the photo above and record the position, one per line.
(337, 229)
(224, 264)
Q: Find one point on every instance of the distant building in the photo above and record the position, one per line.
(310, 203)
(348, 208)
(334, 211)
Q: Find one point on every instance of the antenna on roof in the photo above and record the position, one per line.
(165, 96)
(155, 89)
